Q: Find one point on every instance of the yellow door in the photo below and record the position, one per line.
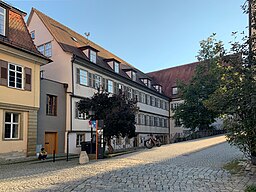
(50, 142)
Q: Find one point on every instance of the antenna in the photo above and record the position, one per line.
(87, 34)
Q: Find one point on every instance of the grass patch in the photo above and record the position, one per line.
(250, 188)
(233, 167)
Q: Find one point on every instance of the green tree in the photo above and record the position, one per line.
(205, 81)
(117, 113)
(235, 99)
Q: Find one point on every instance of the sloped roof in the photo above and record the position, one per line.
(65, 37)
(168, 77)
(18, 35)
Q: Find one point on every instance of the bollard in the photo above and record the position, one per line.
(53, 157)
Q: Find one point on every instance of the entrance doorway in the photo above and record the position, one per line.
(50, 142)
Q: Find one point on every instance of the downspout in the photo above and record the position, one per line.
(72, 70)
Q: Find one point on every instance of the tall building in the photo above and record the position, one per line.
(85, 66)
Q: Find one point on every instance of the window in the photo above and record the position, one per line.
(147, 120)
(2, 20)
(165, 123)
(164, 105)
(15, 76)
(177, 122)
(32, 34)
(79, 139)
(93, 56)
(133, 76)
(11, 130)
(155, 121)
(174, 106)
(142, 119)
(80, 115)
(153, 101)
(110, 86)
(51, 106)
(98, 80)
(143, 98)
(83, 75)
(116, 67)
(158, 102)
(160, 122)
(129, 92)
(175, 90)
(148, 100)
(45, 49)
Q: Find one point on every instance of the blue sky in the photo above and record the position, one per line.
(149, 34)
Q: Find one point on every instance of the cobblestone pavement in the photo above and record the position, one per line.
(187, 166)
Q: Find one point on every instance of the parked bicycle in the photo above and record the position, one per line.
(152, 141)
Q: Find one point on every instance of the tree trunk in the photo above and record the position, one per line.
(110, 148)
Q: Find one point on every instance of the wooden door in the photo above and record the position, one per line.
(50, 142)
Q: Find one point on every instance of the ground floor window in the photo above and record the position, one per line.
(79, 139)
(11, 127)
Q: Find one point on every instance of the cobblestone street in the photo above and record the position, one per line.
(187, 166)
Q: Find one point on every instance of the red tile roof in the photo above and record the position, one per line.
(168, 77)
(18, 35)
(65, 37)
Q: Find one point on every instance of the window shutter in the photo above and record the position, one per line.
(77, 76)
(103, 84)
(140, 95)
(106, 84)
(28, 74)
(89, 79)
(139, 119)
(3, 72)
(76, 112)
(93, 81)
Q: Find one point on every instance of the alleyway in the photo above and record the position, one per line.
(187, 166)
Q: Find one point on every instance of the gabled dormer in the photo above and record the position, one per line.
(146, 81)
(114, 64)
(90, 52)
(158, 87)
(131, 73)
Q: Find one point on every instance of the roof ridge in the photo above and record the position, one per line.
(82, 38)
(178, 66)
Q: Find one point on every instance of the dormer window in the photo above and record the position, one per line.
(116, 67)
(158, 88)
(147, 82)
(93, 56)
(2, 21)
(32, 34)
(174, 90)
(131, 73)
(134, 76)
(90, 52)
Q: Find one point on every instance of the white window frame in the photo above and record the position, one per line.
(116, 67)
(134, 76)
(15, 75)
(110, 86)
(143, 98)
(93, 56)
(175, 91)
(44, 49)
(4, 21)
(81, 116)
(83, 78)
(98, 81)
(79, 139)
(12, 124)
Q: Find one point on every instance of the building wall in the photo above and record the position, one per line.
(21, 101)
(20, 96)
(48, 123)
(61, 60)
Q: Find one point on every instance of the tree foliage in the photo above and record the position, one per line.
(236, 96)
(117, 113)
(205, 81)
